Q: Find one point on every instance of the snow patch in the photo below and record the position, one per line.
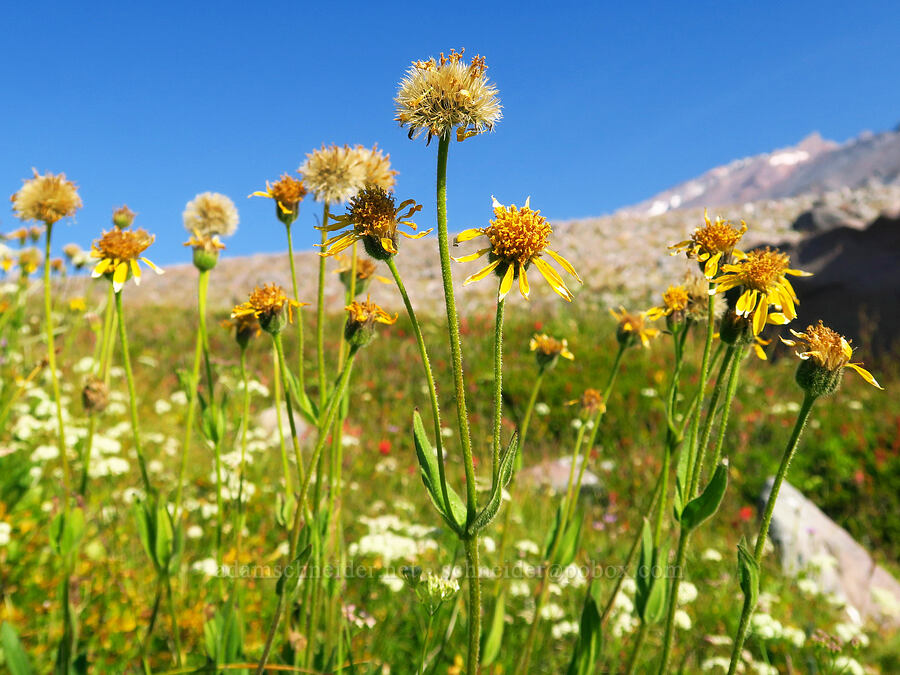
(788, 158)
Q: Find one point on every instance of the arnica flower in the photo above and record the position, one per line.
(711, 244)
(632, 327)
(270, 305)
(547, 350)
(287, 192)
(29, 260)
(518, 238)
(19, 235)
(436, 97)
(762, 276)
(373, 218)
(119, 252)
(246, 327)
(675, 301)
(76, 255)
(825, 354)
(361, 320)
(123, 217)
(365, 272)
(333, 174)
(46, 198)
(591, 402)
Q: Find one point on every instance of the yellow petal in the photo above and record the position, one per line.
(416, 236)
(466, 235)
(119, 276)
(565, 264)
(711, 268)
(846, 348)
(865, 374)
(388, 245)
(136, 271)
(101, 267)
(152, 266)
(482, 273)
(746, 303)
(260, 194)
(471, 256)
(507, 282)
(553, 278)
(760, 353)
(524, 288)
(760, 316)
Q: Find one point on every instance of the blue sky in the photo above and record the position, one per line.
(604, 103)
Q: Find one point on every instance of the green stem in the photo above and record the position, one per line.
(498, 388)
(733, 377)
(701, 389)
(192, 409)
(429, 377)
(474, 628)
(132, 396)
(425, 640)
(245, 420)
(725, 372)
(526, 418)
(802, 417)
(636, 650)
(300, 377)
(151, 624)
(173, 617)
(54, 378)
(320, 316)
(295, 439)
(203, 288)
(284, 457)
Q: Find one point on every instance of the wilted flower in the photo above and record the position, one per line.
(825, 354)
(547, 350)
(210, 214)
(206, 250)
(334, 173)
(518, 238)
(287, 192)
(246, 327)
(376, 167)
(361, 320)
(95, 395)
(675, 301)
(46, 198)
(119, 252)
(436, 97)
(270, 305)
(761, 274)
(711, 244)
(633, 327)
(375, 220)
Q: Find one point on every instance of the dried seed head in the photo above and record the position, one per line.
(46, 198)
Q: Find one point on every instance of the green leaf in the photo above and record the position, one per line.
(568, 547)
(212, 423)
(456, 518)
(13, 652)
(507, 464)
(707, 503)
(146, 528)
(587, 648)
(290, 578)
(490, 647)
(655, 605)
(66, 531)
(748, 573)
(163, 545)
(681, 482)
(306, 407)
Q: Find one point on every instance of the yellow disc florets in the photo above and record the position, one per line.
(288, 191)
(762, 269)
(122, 245)
(550, 346)
(825, 354)
(271, 305)
(367, 313)
(591, 402)
(373, 213)
(711, 243)
(518, 235)
(46, 198)
(675, 299)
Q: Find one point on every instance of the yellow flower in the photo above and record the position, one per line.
(46, 198)
(712, 243)
(634, 326)
(246, 327)
(287, 192)
(827, 350)
(591, 402)
(550, 347)
(436, 97)
(77, 304)
(29, 260)
(334, 173)
(119, 252)
(361, 320)
(518, 238)
(269, 304)
(675, 302)
(762, 276)
(372, 217)
(210, 214)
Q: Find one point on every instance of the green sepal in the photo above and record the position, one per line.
(489, 512)
(748, 573)
(456, 518)
(701, 508)
(289, 583)
(587, 648)
(650, 593)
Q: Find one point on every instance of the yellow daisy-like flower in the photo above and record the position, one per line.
(374, 218)
(634, 326)
(119, 252)
(333, 174)
(19, 235)
(246, 327)
(269, 304)
(675, 301)
(366, 313)
(711, 244)
(828, 350)
(46, 198)
(287, 192)
(550, 346)
(763, 276)
(436, 97)
(518, 238)
(591, 402)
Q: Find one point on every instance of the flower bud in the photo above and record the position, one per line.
(95, 396)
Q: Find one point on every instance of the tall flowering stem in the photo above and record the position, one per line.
(189, 423)
(498, 387)
(320, 315)
(749, 599)
(300, 377)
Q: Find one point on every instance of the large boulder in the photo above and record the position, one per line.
(822, 218)
(810, 542)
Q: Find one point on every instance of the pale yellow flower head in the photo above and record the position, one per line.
(210, 214)
(46, 198)
(334, 173)
(825, 353)
(548, 349)
(436, 97)
(376, 167)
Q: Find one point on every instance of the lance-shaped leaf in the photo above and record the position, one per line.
(16, 659)
(428, 463)
(66, 531)
(681, 483)
(748, 573)
(490, 648)
(507, 464)
(707, 503)
(650, 592)
(290, 577)
(569, 535)
(587, 648)
(306, 407)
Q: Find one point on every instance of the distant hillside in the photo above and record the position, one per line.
(814, 165)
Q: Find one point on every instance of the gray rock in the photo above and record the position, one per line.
(805, 538)
(824, 218)
(554, 474)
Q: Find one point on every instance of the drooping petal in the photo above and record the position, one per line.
(101, 268)
(469, 234)
(471, 256)
(760, 315)
(553, 278)
(711, 268)
(152, 266)
(120, 276)
(565, 264)
(136, 272)
(482, 273)
(524, 287)
(507, 281)
(865, 374)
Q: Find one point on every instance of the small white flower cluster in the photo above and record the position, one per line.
(5, 532)
(390, 539)
(764, 627)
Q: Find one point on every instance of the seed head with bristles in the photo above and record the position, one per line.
(46, 198)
